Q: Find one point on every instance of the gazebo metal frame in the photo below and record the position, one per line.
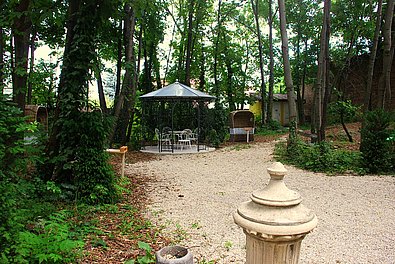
(174, 93)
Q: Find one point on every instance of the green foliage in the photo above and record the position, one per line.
(50, 242)
(94, 177)
(215, 125)
(376, 148)
(148, 257)
(320, 157)
(344, 111)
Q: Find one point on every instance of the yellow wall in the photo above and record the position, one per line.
(256, 108)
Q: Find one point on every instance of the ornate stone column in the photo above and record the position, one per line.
(274, 221)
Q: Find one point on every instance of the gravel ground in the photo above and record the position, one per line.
(195, 195)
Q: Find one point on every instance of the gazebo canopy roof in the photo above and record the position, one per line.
(177, 91)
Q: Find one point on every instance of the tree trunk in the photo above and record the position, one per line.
(229, 82)
(327, 85)
(189, 44)
(2, 42)
(82, 26)
(287, 65)
(169, 55)
(202, 79)
(136, 76)
(271, 66)
(119, 61)
(21, 31)
(258, 31)
(387, 60)
(372, 58)
(128, 90)
(318, 124)
(100, 89)
(216, 53)
(31, 67)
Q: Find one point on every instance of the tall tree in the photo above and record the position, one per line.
(372, 58)
(84, 20)
(125, 101)
(21, 31)
(385, 82)
(287, 66)
(271, 65)
(322, 86)
(255, 10)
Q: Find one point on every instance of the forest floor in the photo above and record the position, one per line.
(115, 244)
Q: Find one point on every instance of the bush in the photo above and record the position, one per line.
(376, 148)
(320, 157)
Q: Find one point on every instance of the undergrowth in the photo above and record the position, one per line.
(322, 157)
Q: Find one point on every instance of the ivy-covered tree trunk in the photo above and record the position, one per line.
(79, 54)
(21, 31)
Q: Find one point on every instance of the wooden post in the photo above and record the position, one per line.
(122, 150)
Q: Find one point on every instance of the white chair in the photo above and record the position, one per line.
(184, 140)
(192, 136)
(163, 139)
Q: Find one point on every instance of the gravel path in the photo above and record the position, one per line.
(196, 195)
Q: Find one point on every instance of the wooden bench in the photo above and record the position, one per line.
(122, 151)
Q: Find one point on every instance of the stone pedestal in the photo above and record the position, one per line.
(275, 222)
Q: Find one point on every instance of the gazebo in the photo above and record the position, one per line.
(175, 93)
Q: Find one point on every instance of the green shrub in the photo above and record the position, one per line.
(376, 148)
(320, 157)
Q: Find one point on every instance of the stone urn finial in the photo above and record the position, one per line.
(274, 221)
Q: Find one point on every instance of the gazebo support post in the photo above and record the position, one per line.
(172, 126)
(198, 146)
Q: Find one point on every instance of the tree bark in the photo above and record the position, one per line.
(271, 66)
(128, 90)
(21, 31)
(31, 67)
(119, 60)
(255, 9)
(2, 42)
(372, 58)
(100, 89)
(387, 60)
(202, 78)
(188, 59)
(287, 65)
(327, 85)
(216, 53)
(321, 85)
